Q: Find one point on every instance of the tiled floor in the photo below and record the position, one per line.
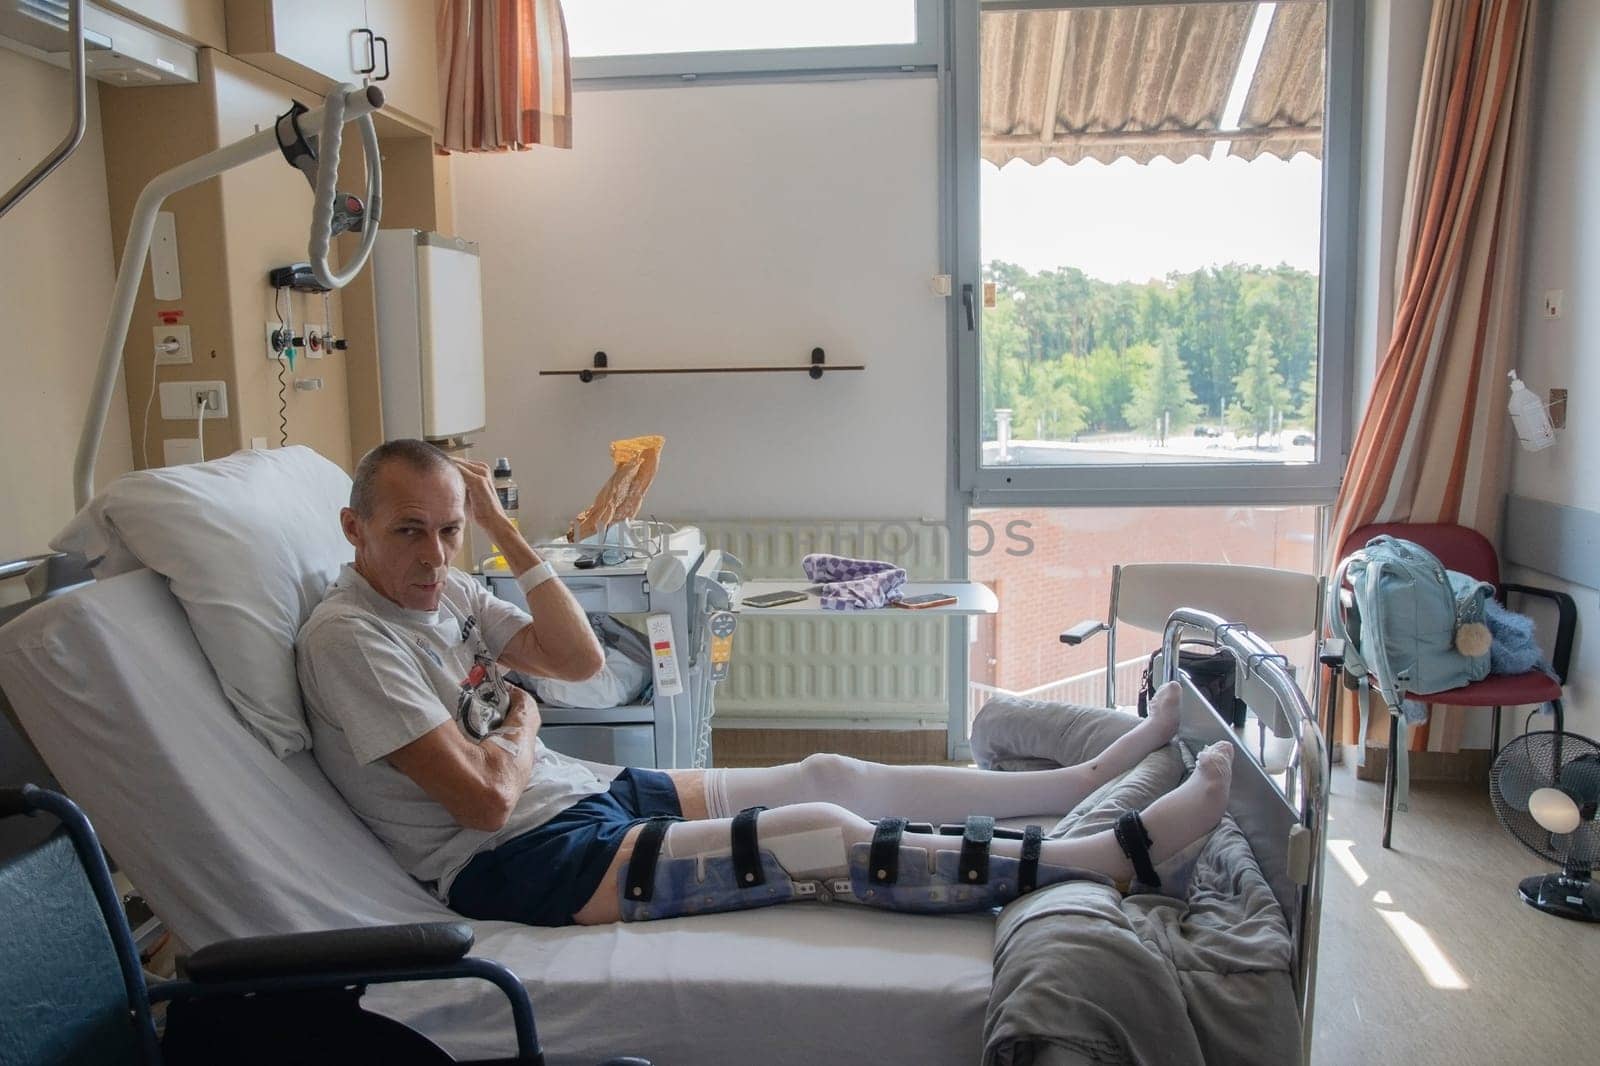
(1427, 954)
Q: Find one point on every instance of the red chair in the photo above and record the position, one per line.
(1469, 552)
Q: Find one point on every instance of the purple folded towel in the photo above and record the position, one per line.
(853, 584)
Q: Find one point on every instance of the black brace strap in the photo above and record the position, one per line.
(974, 868)
(1028, 868)
(641, 882)
(746, 849)
(1135, 844)
(884, 859)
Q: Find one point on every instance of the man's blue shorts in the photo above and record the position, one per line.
(546, 875)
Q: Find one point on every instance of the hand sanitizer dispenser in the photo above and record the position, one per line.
(1528, 414)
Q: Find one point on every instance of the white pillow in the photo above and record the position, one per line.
(249, 544)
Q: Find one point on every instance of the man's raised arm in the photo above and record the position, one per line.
(559, 642)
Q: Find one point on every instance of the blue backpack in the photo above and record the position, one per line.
(1410, 626)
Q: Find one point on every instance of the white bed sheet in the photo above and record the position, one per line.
(225, 840)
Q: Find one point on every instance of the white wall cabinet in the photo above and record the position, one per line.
(318, 43)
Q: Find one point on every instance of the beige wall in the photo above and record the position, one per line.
(55, 286)
(231, 232)
(721, 225)
(1563, 252)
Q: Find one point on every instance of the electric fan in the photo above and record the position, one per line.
(1546, 791)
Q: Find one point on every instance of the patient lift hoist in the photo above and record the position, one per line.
(332, 212)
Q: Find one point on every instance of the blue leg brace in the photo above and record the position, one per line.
(968, 880)
(656, 888)
(880, 874)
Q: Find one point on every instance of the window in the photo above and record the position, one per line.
(690, 38)
(1155, 303)
(1154, 291)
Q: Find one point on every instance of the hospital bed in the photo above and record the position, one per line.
(226, 840)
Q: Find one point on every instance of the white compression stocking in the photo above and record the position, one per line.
(810, 840)
(939, 793)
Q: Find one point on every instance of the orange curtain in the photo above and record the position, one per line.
(1433, 445)
(505, 75)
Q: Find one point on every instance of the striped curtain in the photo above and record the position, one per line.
(1433, 445)
(505, 75)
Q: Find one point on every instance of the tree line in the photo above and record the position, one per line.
(1230, 345)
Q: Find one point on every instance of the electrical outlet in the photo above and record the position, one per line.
(316, 337)
(172, 345)
(1553, 299)
(180, 400)
(258, 444)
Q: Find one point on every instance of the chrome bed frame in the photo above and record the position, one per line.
(1281, 804)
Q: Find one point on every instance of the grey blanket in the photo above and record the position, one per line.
(1084, 975)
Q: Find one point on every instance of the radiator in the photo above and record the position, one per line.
(836, 671)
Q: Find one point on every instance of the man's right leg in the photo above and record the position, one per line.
(810, 850)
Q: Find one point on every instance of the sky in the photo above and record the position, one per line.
(1134, 222)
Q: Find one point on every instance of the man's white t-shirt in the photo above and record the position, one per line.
(377, 676)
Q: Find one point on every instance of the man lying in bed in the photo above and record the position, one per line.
(412, 720)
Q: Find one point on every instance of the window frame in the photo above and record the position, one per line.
(1176, 483)
(924, 53)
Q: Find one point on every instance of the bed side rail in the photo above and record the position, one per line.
(1281, 806)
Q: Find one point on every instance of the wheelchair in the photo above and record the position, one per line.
(72, 989)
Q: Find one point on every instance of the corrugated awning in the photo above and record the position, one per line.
(1148, 82)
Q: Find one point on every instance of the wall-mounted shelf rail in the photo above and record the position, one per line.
(601, 368)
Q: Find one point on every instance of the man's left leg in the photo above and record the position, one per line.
(931, 793)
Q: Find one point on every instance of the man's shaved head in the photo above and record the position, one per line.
(418, 455)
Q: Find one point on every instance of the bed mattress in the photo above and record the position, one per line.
(226, 840)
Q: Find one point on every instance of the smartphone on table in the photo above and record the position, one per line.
(774, 599)
(926, 599)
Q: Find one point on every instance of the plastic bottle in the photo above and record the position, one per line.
(506, 488)
(510, 501)
(1530, 417)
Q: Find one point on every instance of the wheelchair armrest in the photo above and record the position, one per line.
(1083, 631)
(1566, 622)
(12, 802)
(376, 948)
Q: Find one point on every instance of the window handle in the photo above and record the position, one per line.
(966, 301)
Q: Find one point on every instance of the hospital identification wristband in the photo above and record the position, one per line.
(533, 577)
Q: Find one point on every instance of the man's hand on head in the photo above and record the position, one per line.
(483, 502)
